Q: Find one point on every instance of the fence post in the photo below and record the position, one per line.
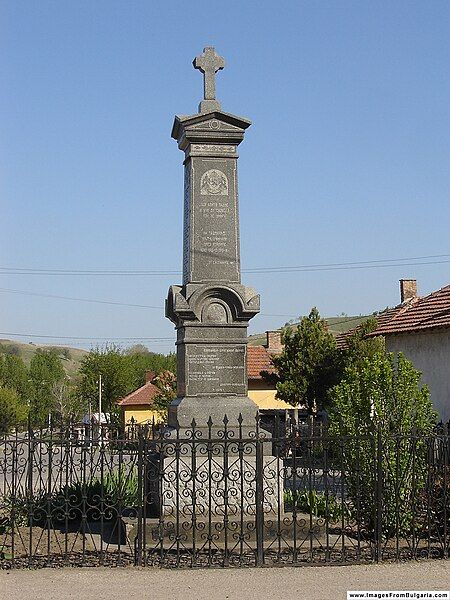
(30, 490)
(259, 502)
(140, 525)
(379, 494)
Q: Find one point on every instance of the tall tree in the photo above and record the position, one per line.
(67, 404)
(13, 410)
(14, 375)
(46, 369)
(309, 365)
(143, 360)
(358, 346)
(118, 377)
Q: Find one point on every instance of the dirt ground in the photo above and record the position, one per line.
(308, 583)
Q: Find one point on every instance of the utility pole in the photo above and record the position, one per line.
(100, 399)
(100, 428)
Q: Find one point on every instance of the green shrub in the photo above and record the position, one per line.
(380, 422)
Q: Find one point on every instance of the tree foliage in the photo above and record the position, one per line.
(309, 364)
(358, 346)
(117, 377)
(46, 369)
(14, 375)
(13, 410)
(167, 383)
(144, 360)
(67, 405)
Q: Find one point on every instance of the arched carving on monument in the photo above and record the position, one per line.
(221, 296)
(215, 311)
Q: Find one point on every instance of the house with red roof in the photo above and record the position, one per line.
(138, 407)
(419, 327)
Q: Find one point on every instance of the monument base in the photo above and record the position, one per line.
(212, 413)
(221, 485)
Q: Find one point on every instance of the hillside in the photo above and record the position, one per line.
(336, 325)
(71, 356)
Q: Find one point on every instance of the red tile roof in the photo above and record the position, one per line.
(382, 318)
(258, 359)
(143, 395)
(419, 314)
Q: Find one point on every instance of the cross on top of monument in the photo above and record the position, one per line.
(209, 63)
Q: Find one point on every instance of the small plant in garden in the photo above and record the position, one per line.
(317, 504)
(94, 498)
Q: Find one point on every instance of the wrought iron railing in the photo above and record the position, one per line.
(220, 495)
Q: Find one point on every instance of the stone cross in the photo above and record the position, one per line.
(209, 63)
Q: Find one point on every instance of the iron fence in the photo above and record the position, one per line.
(220, 496)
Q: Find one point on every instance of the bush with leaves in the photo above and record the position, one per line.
(96, 498)
(381, 415)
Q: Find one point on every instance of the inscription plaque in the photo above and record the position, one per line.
(214, 242)
(215, 369)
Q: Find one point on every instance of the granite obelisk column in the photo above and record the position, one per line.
(211, 309)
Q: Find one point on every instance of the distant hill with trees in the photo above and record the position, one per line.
(336, 325)
(71, 357)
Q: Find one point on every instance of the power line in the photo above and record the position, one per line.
(381, 263)
(103, 339)
(347, 268)
(149, 339)
(344, 264)
(112, 302)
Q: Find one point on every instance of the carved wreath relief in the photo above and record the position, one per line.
(214, 183)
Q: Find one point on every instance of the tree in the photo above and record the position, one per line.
(309, 365)
(46, 369)
(14, 375)
(66, 405)
(167, 383)
(13, 411)
(118, 377)
(142, 360)
(358, 346)
(379, 404)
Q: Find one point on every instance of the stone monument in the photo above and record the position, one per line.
(211, 309)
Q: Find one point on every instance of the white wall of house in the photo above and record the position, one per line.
(430, 354)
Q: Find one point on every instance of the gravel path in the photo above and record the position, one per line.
(307, 583)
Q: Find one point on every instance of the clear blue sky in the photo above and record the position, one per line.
(347, 158)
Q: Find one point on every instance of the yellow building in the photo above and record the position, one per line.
(258, 361)
(138, 407)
